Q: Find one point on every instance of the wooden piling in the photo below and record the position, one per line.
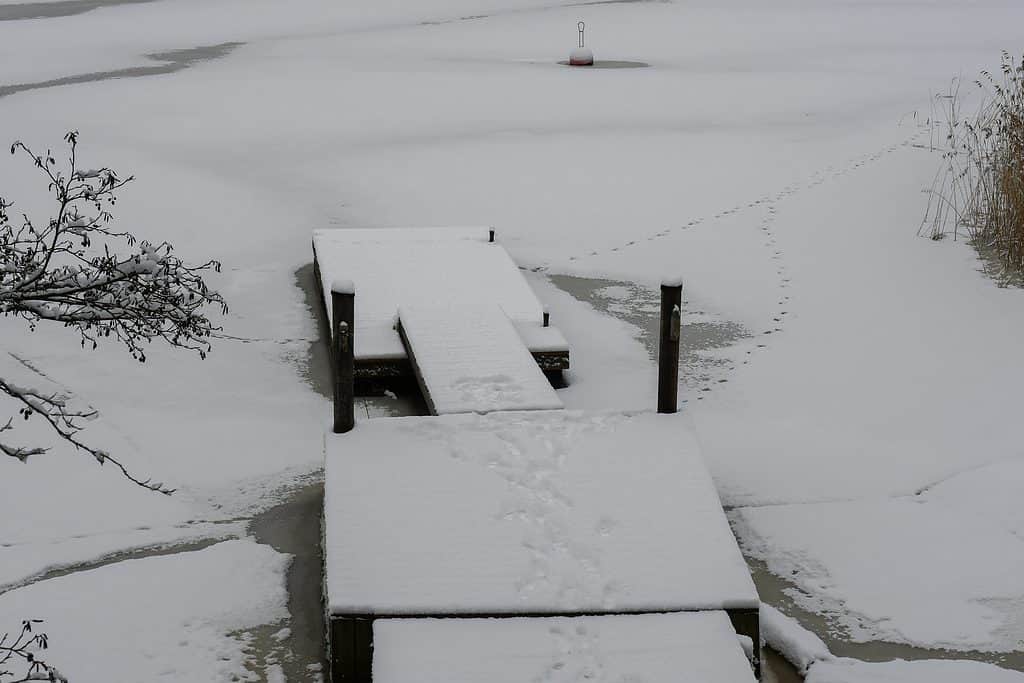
(668, 346)
(351, 650)
(747, 622)
(342, 336)
(491, 236)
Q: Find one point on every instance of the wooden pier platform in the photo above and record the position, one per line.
(488, 541)
(524, 515)
(693, 647)
(425, 267)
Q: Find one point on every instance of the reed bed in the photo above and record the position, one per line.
(979, 190)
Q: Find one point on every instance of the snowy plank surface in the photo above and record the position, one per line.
(535, 512)
(395, 267)
(542, 339)
(698, 647)
(471, 359)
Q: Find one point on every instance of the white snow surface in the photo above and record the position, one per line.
(540, 339)
(905, 570)
(343, 287)
(785, 635)
(656, 648)
(525, 512)
(812, 658)
(918, 671)
(36, 556)
(471, 359)
(610, 368)
(418, 267)
(171, 618)
(885, 369)
(990, 494)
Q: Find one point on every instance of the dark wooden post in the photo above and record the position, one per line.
(343, 294)
(747, 622)
(668, 346)
(351, 650)
(547, 318)
(491, 236)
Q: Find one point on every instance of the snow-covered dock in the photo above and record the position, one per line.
(523, 514)
(700, 647)
(470, 359)
(416, 268)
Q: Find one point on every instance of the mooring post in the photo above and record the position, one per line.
(668, 345)
(547, 318)
(343, 294)
(490, 237)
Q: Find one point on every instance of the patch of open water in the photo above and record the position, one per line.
(172, 61)
(293, 527)
(640, 306)
(53, 10)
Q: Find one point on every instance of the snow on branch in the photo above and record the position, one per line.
(21, 651)
(77, 270)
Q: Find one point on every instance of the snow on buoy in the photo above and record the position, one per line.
(581, 56)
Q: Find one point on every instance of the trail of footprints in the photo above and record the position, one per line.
(542, 506)
(769, 200)
(769, 203)
(567, 568)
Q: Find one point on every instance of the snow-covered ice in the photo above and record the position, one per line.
(696, 647)
(918, 671)
(812, 659)
(525, 512)
(950, 556)
(906, 571)
(176, 617)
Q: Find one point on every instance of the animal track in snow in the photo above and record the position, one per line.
(560, 562)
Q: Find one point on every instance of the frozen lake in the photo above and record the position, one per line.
(846, 378)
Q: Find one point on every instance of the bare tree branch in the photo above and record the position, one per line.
(76, 270)
(21, 651)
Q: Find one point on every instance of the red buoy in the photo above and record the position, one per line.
(581, 56)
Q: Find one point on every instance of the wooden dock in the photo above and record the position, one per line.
(472, 360)
(457, 267)
(529, 515)
(505, 520)
(696, 647)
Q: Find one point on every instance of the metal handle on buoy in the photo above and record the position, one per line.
(581, 26)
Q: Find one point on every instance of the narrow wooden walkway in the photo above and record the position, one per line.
(472, 360)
